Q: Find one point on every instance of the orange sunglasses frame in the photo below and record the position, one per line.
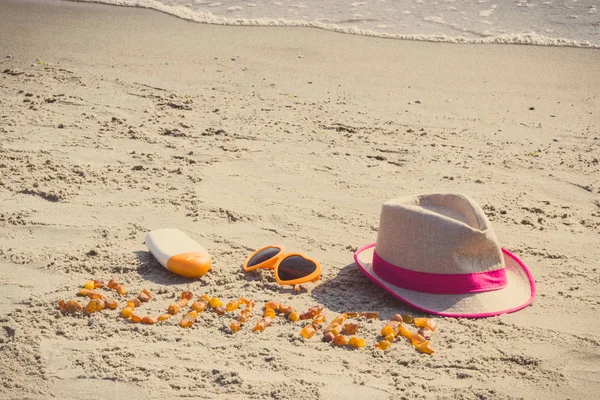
(274, 262)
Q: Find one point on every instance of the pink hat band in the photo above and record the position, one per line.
(439, 283)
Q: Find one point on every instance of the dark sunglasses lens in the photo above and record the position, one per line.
(295, 267)
(263, 256)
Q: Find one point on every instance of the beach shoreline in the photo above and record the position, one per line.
(425, 22)
(116, 121)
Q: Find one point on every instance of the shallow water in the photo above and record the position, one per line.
(555, 23)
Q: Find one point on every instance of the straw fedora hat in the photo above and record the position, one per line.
(439, 253)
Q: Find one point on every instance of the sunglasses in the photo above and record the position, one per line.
(290, 268)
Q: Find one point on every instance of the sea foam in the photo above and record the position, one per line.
(574, 23)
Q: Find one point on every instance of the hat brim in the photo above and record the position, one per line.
(518, 293)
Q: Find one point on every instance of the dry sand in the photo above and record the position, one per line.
(117, 121)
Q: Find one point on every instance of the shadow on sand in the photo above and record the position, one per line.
(350, 290)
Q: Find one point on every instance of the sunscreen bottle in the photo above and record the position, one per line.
(178, 253)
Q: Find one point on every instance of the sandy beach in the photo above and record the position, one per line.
(116, 121)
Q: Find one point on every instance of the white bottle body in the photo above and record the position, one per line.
(168, 242)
